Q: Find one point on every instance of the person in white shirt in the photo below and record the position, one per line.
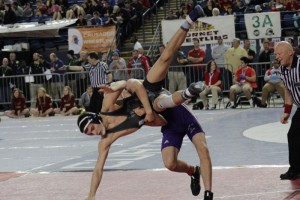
(219, 51)
(273, 83)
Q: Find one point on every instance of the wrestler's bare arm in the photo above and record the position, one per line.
(103, 150)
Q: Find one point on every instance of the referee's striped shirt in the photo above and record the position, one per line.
(97, 73)
(291, 79)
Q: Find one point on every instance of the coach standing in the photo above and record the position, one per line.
(290, 69)
(99, 75)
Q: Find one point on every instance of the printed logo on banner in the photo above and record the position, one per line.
(207, 30)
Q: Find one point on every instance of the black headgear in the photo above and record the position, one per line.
(86, 118)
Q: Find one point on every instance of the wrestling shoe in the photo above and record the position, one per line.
(196, 13)
(196, 88)
(290, 175)
(208, 195)
(195, 182)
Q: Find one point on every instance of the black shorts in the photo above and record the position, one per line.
(153, 87)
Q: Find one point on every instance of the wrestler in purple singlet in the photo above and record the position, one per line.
(181, 122)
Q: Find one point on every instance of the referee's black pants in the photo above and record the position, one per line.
(294, 143)
(96, 101)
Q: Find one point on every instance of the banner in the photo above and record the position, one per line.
(262, 25)
(206, 29)
(99, 39)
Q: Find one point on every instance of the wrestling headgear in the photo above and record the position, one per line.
(86, 118)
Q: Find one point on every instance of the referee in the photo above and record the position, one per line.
(99, 74)
(290, 73)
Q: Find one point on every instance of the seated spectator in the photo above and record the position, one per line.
(75, 11)
(208, 8)
(171, 15)
(18, 107)
(257, 9)
(81, 21)
(96, 20)
(273, 83)
(215, 12)
(43, 104)
(84, 101)
(292, 5)
(9, 15)
(245, 81)
(183, 12)
(27, 12)
(41, 9)
(56, 11)
(67, 104)
(18, 10)
(213, 83)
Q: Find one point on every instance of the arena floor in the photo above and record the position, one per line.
(47, 158)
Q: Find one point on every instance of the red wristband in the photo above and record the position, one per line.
(288, 108)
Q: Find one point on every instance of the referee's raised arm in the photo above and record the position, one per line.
(99, 74)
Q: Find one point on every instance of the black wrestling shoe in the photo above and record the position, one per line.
(195, 182)
(290, 175)
(208, 195)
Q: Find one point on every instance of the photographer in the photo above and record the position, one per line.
(118, 67)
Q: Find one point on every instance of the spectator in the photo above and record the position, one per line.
(138, 66)
(18, 10)
(219, 51)
(106, 10)
(130, 17)
(245, 81)
(67, 104)
(75, 12)
(136, 42)
(208, 8)
(5, 83)
(250, 52)
(292, 5)
(183, 13)
(56, 66)
(196, 56)
(213, 84)
(81, 21)
(72, 77)
(55, 11)
(176, 75)
(18, 107)
(265, 54)
(273, 83)
(215, 12)
(36, 68)
(9, 15)
(85, 98)
(43, 104)
(41, 9)
(28, 12)
(96, 20)
(118, 67)
(233, 55)
(257, 9)
(171, 15)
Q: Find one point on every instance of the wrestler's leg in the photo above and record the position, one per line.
(206, 167)
(160, 68)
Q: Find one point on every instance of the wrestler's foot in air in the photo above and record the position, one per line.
(196, 88)
(195, 182)
(196, 13)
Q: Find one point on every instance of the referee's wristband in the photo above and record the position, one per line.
(288, 108)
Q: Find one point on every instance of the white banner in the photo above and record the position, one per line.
(262, 25)
(206, 29)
